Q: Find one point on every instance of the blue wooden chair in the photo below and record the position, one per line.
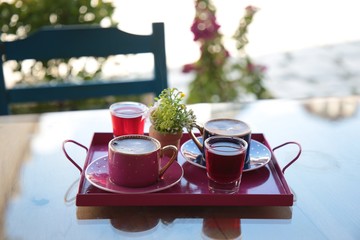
(78, 41)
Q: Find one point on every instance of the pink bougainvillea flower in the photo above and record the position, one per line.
(204, 29)
(188, 68)
(204, 26)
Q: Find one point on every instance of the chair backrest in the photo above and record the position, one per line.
(80, 41)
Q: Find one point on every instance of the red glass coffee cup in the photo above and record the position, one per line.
(128, 118)
(225, 159)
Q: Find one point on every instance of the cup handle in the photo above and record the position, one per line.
(195, 139)
(68, 156)
(171, 161)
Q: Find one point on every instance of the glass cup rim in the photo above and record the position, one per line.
(206, 142)
(139, 105)
(243, 133)
(135, 136)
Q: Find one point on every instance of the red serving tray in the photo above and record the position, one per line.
(265, 186)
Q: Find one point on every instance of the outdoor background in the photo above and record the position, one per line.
(310, 48)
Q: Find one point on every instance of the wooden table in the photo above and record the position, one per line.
(38, 183)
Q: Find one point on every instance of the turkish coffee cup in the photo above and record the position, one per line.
(223, 127)
(136, 160)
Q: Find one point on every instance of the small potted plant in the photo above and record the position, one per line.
(169, 116)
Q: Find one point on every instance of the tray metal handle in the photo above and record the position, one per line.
(68, 156)
(295, 158)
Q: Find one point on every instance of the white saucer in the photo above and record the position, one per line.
(260, 155)
(97, 173)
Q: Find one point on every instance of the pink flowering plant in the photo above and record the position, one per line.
(210, 83)
(214, 74)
